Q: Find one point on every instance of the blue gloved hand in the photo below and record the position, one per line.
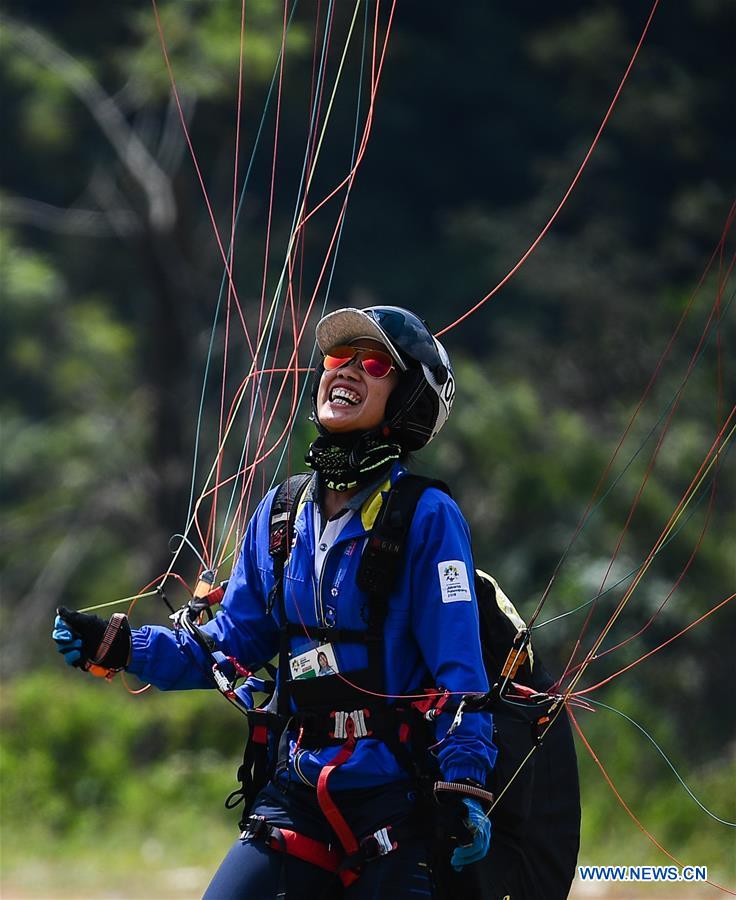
(68, 643)
(78, 638)
(480, 827)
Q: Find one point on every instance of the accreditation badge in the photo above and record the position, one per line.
(314, 663)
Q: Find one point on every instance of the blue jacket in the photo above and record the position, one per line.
(431, 630)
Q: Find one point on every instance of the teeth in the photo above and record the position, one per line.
(344, 397)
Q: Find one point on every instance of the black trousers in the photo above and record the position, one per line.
(253, 871)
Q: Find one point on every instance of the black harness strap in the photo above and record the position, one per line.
(383, 557)
(281, 532)
(284, 508)
(324, 633)
(383, 561)
(380, 567)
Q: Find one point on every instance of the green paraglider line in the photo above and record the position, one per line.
(664, 756)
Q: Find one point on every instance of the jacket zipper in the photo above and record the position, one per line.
(318, 607)
(321, 610)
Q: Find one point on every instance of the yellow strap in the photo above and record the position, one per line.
(509, 610)
(372, 506)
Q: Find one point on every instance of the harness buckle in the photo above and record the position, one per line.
(359, 727)
(378, 844)
(256, 827)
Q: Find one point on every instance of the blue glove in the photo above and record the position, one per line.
(480, 827)
(67, 643)
(79, 637)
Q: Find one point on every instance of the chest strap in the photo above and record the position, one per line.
(323, 633)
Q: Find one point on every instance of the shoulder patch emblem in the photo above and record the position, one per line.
(454, 584)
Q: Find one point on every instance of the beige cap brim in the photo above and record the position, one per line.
(345, 325)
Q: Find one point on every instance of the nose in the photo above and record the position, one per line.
(349, 368)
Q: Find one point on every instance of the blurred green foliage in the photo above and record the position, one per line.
(65, 749)
(652, 793)
(120, 785)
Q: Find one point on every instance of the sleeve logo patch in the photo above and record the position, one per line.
(454, 584)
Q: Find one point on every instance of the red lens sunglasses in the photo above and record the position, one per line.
(375, 363)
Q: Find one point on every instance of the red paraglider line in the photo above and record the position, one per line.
(713, 451)
(626, 807)
(540, 237)
(595, 687)
(187, 137)
(645, 479)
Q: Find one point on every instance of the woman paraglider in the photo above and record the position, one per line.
(367, 599)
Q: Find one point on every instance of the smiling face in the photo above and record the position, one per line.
(348, 399)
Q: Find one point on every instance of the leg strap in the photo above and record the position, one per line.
(346, 865)
(292, 843)
(327, 804)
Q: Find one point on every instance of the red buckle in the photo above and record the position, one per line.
(432, 705)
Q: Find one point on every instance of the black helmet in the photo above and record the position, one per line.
(420, 404)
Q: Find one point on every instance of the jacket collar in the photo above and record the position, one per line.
(368, 500)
